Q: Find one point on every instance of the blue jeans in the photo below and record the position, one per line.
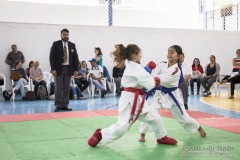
(20, 86)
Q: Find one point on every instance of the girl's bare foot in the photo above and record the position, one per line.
(202, 132)
(142, 138)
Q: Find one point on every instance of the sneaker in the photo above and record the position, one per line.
(95, 139)
(103, 92)
(80, 96)
(24, 98)
(192, 92)
(231, 97)
(16, 91)
(167, 140)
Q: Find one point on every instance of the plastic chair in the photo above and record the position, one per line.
(218, 86)
(3, 87)
(91, 88)
(28, 87)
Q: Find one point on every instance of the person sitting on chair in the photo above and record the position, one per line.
(36, 74)
(96, 72)
(234, 78)
(118, 71)
(211, 73)
(18, 75)
(81, 80)
(197, 71)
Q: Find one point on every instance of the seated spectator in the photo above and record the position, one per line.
(98, 56)
(96, 72)
(235, 79)
(85, 67)
(108, 78)
(81, 80)
(36, 74)
(118, 71)
(197, 71)
(211, 74)
(236, 62)
(30, 65)
(18, 75)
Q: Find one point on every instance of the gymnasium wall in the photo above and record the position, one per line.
(35, 41)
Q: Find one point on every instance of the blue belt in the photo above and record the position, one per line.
(166, 91)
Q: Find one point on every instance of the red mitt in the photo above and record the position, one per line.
(152, 65)
(95, 139)
(157, 81)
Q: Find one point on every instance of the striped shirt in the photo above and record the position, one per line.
(236, 68)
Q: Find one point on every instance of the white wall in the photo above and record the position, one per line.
(35, 40)
(167, 14)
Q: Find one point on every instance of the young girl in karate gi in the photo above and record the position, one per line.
(168, 95)
(132, 105)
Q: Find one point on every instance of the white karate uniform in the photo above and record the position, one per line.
(134, 76)
(162, 100)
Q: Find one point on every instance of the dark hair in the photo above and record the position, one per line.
(194, 61)
(238, 50)
(99, 50)
(85, 62)
(121, 53)
(178, 49)
(213, 57)
(14, 45)
(31, 62)
(64, 30)
(16, 63)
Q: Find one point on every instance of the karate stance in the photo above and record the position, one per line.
(132, 105)
(168, 95)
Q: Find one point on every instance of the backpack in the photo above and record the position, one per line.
(7, 95)
(41, 92)
(30, 96)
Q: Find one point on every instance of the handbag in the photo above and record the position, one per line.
(15, 75)
(30, 96)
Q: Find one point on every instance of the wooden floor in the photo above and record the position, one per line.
(222, 101)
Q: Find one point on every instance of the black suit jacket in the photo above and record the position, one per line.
(56, 57)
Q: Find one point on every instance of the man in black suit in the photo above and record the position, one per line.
(64, 63)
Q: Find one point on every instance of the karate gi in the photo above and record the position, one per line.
(169, 77)
(135, 76)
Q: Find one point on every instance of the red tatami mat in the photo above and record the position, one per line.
(211, 120)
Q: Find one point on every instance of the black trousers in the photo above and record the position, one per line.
(36, 85)
(198, 80)
(234, 80)
(82, 84)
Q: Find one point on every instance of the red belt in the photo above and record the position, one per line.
(137, 93)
